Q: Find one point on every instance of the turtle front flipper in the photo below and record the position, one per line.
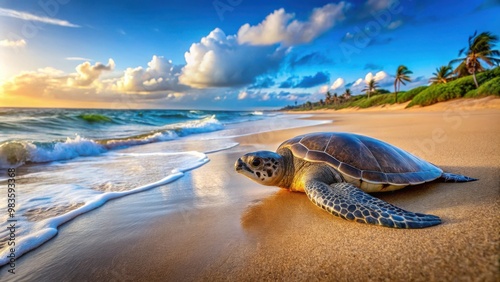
(349, 202)
(451, 177)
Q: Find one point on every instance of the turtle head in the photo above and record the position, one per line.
(264, 167)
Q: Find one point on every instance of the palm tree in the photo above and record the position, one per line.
(402, 75)
(371, 87)
(328, 99)
(442, 75)
(480, 49)
(347, 93)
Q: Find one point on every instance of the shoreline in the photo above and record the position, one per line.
(227, 227)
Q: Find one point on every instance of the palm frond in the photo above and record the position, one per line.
(457, 60)
(480, 50)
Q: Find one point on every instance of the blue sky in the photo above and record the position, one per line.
(222, 54)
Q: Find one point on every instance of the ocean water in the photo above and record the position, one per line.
(70, 161)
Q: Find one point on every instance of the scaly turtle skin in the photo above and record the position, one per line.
(336, 170)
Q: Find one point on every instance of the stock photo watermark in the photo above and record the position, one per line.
(223, 6)
(11, 221)
(453, 116)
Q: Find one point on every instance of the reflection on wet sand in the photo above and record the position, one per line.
(277, 212)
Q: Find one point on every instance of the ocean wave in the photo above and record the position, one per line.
(138, 140)
(94, 118)
(39, 226)
(207, 124)
(17, 153)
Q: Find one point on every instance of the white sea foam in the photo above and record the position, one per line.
(200, 126)
(14, 153)
(35, 233)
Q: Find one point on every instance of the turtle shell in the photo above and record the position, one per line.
(366, 162)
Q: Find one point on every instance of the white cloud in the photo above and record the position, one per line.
(337, 84)
(34, 18)
(161, 74)
(270, 31)
(49, 85)
(382, 78)
(277, 28)
(219, 61)
(42, 83)
(242, 95)
(77, 59)
(86, 73)
(359, 81)
(50, 71)
(323, 89)
(12, 43)
(137, 86)
(223, 61)
(357, 86)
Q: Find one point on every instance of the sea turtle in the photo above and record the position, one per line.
(336, 169)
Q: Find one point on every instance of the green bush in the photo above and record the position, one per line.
(492, 87)
(408, 95)
(471, 94)
(457, 88)
(375, 100)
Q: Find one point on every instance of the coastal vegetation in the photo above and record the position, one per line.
(371, 87)
(476, 75)
(402, 75)
(458, 88)
(443, 74)
(480, 49)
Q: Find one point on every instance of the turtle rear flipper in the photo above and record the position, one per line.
(349, 202)
(451, 177)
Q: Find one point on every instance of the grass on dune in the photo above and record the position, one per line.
(492, 87)
(462, 87)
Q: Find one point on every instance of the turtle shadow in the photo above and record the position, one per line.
(283, 208)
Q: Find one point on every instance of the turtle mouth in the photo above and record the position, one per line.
(240, 166)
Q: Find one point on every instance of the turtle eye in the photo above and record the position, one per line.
(256, 162)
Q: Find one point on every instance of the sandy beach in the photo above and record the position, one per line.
(227, 227)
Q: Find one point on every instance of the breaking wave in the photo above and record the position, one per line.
(17, 153)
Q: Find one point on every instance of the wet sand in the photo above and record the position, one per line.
(214, 224)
